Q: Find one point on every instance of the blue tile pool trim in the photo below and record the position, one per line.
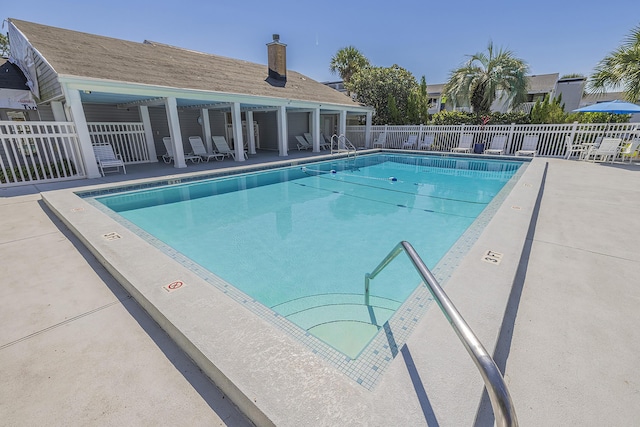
(369, 366)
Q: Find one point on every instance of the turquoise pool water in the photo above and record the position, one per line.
(300, 240)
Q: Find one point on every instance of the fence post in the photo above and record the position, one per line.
(419, 135)
(574, 128)
(510, 139)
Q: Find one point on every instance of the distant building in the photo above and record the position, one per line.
(571, 89)
(337, 85)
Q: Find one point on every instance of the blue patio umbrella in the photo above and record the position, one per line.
(614, 107)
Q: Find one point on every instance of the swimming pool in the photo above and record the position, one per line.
(300, 240)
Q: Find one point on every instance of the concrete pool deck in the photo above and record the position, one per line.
(78, 348)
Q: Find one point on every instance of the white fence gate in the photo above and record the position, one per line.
(39, 152)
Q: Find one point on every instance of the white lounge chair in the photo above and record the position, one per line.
(309, 138)
(427, 142)
(380, 141)
(579, 149)
(497, 145)
(170, 156)
(529, 146)
(198, 148)
(609, 148)
(630, 150)
(325, 144)
(106, 158)
(464, 146)
(411, 142)
(223, 148)
(303, 144)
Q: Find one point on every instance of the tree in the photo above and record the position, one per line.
(418, 105)
(621, 68)
(385, 89)
(485, 76)
(346, 62)
(572, 76)
(548, 111)
(4, 46)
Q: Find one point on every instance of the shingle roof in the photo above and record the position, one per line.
(80, 54)
(542, 83)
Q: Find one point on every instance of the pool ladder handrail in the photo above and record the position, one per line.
(348, 146)
(503, 409)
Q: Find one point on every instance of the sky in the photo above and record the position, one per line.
(429, 38)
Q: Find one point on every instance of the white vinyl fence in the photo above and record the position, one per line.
(38, 152)
(127, 139)
(551, 141)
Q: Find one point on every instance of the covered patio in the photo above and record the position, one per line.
(133, 95)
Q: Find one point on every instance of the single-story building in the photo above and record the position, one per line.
(116, 90)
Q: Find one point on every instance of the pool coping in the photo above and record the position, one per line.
(281, 382)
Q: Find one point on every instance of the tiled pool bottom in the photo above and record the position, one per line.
(370, 365)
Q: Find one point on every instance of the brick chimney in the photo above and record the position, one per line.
(277, 59)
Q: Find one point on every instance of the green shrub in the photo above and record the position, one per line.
(453, 118)
(461, 117)
(598, 118)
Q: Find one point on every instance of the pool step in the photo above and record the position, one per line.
(300, 304)
(337, 312)
(341, 320)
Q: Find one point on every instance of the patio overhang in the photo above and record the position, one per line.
(125, 95)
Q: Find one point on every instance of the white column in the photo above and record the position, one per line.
(148, 133)
(342, 126)
(236, 125)
(86, 149)
(58, 112)
(251, 132)
(367, 130)
(283, 135)
(171, 105)
(206, 129)
(315, 129)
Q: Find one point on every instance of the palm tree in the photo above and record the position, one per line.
(346, 62)
(621, 68)
(484, 75)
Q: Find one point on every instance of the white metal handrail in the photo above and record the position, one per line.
(342, 145)
(503, 408)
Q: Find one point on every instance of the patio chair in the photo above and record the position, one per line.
(497, 145)
(529, 146)
(572, 148)
(169, 156)
(324, 142)
(410, 143)
(427, 142)
(380, 141)
(223, 148)
(309, 138)
(609, 148)
(199, 149)
(630, 150)
(303, 144)
(464, 145)
(106, 158)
